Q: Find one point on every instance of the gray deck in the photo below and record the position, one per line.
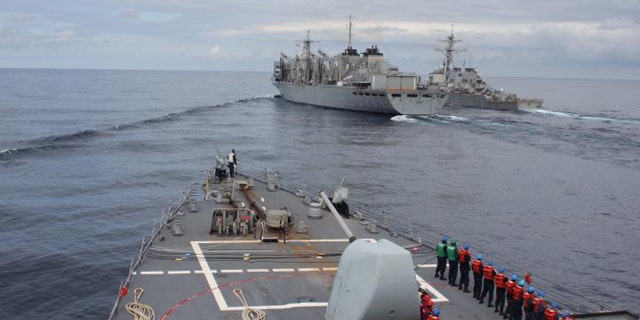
(192, 276)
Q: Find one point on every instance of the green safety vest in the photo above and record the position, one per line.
(451, 253)
(440, 248)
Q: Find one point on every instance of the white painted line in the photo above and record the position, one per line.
(283, 270)
(435, 293)
(198, 272)
(282, 306)
(308, 269)
(427, 265)
(213, 285)
(231, 271)
(257, 270)
(258, 241)
(330, 269)
(151, 272)
(179, 272)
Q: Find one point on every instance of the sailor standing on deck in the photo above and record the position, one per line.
(527, 303)
(487, 286)
(452, 255)
(477, 268)
(516, 309)
(510, 303)
(552, 312)
(465, 258)
(539, 306)
(441, 250)
(232, 162)
(426, 306)
(501, 287)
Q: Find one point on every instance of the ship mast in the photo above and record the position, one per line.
(448, 51)
(350, 26)
(306, 57)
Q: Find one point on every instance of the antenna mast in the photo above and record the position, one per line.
(350, 26)
(448, 51)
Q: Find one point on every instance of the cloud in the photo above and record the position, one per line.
(130, 14)
(149, 16)
(249, 34)
(214, 51)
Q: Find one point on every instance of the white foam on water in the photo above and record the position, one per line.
(554, 113)
(577, 116)
(403, 118)
(454, 118)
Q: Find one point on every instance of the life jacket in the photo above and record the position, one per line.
(510, 285)
(528, 301)
(538, 305)
(432, 317)
(425, 311)
(441, 249)
(489, 273)
(499, 279)
(451, 252)
(550, 314)
(477, 266)
(517, 293)
(464, 255)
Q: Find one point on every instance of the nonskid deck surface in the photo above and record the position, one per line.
(193, 276)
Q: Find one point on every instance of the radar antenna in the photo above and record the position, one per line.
(448, 51)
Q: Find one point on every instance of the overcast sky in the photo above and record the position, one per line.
(572, 38)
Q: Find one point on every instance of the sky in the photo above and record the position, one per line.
(523, 38)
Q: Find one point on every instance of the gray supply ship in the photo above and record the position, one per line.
(466, 88)
(257, 246)
(353, 81)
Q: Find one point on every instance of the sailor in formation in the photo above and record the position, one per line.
(487, 286)
(453, 257)
(441, 250)
(519, 292)
(477, 267)
(465, 258)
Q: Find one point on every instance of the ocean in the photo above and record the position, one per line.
(90, 158)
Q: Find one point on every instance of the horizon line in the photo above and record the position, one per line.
(268, 71)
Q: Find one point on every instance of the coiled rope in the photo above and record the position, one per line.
(249, 313)
(138, 310)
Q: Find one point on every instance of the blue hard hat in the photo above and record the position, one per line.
(501, 269)
(554, 305)
(521, 283)
(541, 294)
(491, 263)
(531, 289)
(445, 238)
(479, 257)
(436, 312)
(514, 277)
(565, 314)
(466, 247)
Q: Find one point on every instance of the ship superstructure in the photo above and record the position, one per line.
(352, 81)
(467, 88)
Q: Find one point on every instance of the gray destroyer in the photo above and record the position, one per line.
(466, 88)
(353, 81)
(258, 246)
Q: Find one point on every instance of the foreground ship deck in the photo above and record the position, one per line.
(197, 260)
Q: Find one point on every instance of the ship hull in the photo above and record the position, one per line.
(374, 101)
(479, 102)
